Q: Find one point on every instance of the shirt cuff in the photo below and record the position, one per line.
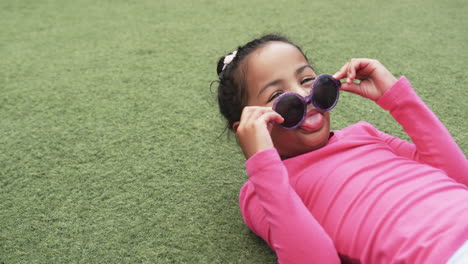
(262, 160)
(400, 90)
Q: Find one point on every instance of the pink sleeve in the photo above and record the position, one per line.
(272, 209)
(433, 144)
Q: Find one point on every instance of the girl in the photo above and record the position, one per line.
(355, 194)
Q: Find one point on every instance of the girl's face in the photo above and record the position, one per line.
(277, 68)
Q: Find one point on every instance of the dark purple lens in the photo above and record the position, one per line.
(325, 92)
(292, 108)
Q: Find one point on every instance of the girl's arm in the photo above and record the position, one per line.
(272, 209)
(433, 143)
(269, 205)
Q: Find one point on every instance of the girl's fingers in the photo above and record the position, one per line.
(253, 112)
(270, 118)
(273, 117)
(355, 69)
(374, 78)
(254, 128)
(342, 73)
(363, 68)
(252, 115)
(267, 116)
(351, 71)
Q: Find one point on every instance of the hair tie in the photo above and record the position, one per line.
(228, 59)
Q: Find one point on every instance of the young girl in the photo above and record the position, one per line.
(357, 194)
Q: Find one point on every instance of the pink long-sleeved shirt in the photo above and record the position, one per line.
(366, 197)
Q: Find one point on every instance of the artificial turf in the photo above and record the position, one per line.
(111, 146)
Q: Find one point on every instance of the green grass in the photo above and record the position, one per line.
(109, 131)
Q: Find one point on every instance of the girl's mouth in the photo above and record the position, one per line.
(313, 121)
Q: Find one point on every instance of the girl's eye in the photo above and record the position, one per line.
(273, 96)
(306, 80)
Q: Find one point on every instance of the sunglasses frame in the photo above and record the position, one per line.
(310, 99)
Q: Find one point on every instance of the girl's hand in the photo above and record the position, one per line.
(253, 129)
(374, 78)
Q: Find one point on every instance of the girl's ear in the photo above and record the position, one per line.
(235, 126)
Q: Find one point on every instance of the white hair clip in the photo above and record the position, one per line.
(228, 59)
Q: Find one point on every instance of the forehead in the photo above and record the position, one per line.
(275, 60)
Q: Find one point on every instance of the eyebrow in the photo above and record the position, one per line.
(302, 68)
(276, 82)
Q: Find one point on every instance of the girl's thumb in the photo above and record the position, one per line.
(350, 87)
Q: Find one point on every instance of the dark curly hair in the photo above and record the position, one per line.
(232, 93)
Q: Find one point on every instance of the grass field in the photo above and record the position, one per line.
(111, 145)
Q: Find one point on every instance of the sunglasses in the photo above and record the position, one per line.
(292, 107)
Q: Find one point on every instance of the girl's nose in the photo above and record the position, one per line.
(305, 92)
(302, 91)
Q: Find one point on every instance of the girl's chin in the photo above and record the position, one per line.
(315, 140)
(305, 145)
(299, 141)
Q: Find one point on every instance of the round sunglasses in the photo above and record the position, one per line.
(323, 95)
